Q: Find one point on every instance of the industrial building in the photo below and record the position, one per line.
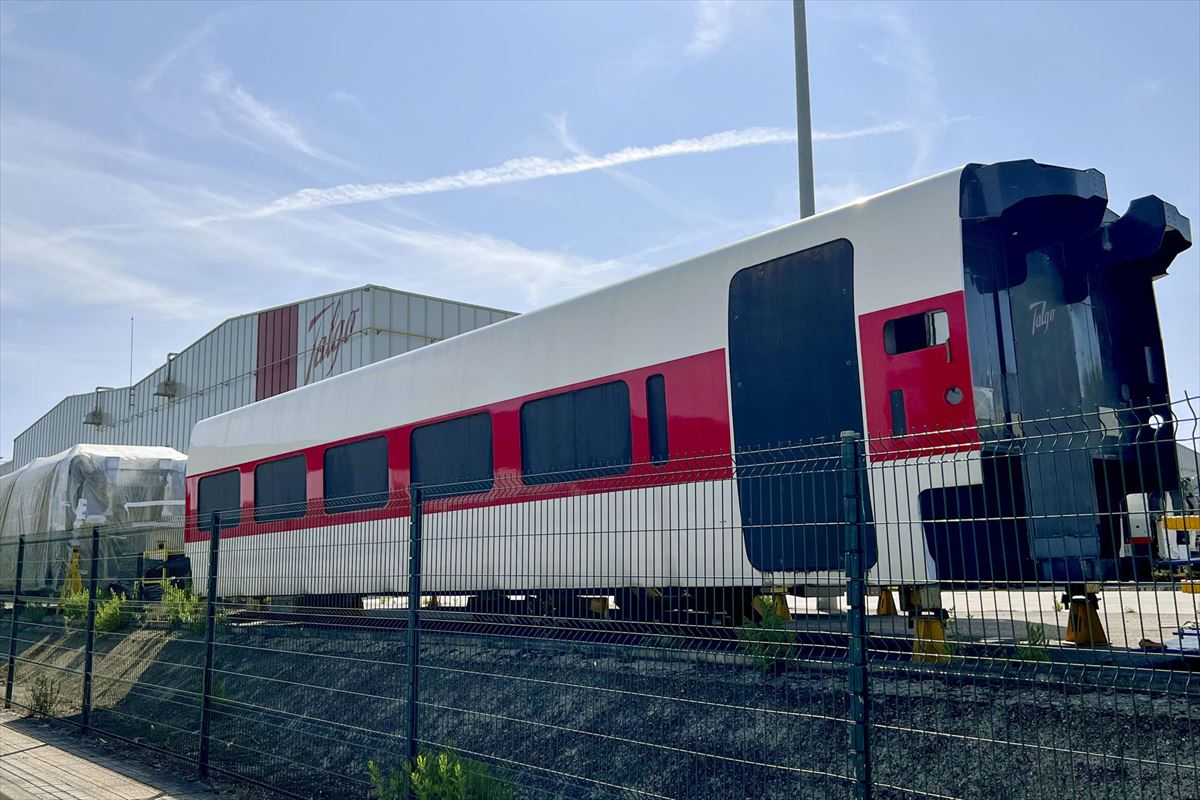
(250, 358)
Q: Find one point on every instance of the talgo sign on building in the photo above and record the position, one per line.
(308, 337)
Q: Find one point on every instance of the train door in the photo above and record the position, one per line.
(794, 380)
(917, 375)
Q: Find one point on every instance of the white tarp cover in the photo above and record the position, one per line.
(134, 493)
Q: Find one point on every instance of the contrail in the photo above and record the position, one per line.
(518, 170)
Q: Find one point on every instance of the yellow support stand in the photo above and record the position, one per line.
(1083, 623)
(776, 602)
(73, 581)
(1190, 587)
(887, 604)
(929, 641)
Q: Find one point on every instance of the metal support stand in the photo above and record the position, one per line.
(89, 653)
(414, 621)
(12, 626)
(1083, 622)
(210, 624)
(856, 618)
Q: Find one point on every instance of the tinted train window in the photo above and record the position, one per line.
(574, 435)
(656, 414)
(916, 332)
(454, 457)
(221, 493)
(280, 489)
(356, 475)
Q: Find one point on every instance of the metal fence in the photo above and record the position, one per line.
(972, 614)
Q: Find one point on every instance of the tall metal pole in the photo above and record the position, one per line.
(210, 624)
(857, 676)
(89, 654)
(808, 204)
(12, 630)
(414, 622)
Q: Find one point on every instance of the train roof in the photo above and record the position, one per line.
(489, 356)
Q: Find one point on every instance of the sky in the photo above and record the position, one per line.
(186, 162)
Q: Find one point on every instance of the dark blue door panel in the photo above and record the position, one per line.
(793, 362)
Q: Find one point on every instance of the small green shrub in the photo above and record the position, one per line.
(73, 606)
(184, 607)
(767, 640)
(44, 695)
(112, 614)
(1034, 648)
(444, 776)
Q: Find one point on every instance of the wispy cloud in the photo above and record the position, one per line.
(531, 168)
(713, 22)
(346, 98)
(259, 118)
(647, 190)
(903, 50)
(154, 73)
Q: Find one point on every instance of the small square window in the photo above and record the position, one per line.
(916, 332)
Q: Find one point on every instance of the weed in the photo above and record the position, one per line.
(73, 605)
(768, 640)
(444, 776)
(111, 614)
(1036, 640)
(184, 607)
(44, 695)
(1058, 606)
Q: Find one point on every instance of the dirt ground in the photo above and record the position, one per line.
(304, 709)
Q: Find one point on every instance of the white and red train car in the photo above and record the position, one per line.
(989, 295)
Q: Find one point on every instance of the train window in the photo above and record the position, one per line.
(576, 435)
(656, 415)
(356, 475)
(280, 490)
(221, 493)
(916, 332)
(454, 457)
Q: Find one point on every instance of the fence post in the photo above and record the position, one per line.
(210, 624)
(414, 618)
(856, 594)
(12, 627)
(88, 654)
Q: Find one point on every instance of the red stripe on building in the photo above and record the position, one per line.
(275, 371)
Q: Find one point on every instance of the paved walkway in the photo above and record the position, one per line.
(44, 762)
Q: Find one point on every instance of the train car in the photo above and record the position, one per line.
(965, 304)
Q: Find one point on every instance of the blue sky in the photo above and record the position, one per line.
(185, 162)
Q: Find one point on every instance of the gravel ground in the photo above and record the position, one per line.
(304, 709)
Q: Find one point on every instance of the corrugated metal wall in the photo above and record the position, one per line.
(231, 366)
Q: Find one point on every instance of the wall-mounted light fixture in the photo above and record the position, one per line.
(167, 387)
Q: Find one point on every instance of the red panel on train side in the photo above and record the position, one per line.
(698, 433)
(275, 370)
(917, 378)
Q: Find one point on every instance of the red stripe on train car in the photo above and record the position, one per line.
(698, 433)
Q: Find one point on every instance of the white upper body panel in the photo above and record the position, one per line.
(907, 245)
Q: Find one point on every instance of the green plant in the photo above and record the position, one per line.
(34, 613)
(769, 639)
(111, 613)
(73, 605)
(1034, 648)
(184, 606)
(44, 695)
(444, 776)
